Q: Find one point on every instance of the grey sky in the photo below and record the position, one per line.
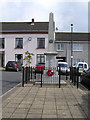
(65, 13)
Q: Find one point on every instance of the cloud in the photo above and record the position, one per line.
(65, 13)
(72, 13)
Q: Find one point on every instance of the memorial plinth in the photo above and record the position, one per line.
(50, 59)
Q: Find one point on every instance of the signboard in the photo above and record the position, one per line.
(61, 59)
(50, 41)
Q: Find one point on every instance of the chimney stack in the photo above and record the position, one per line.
(32, 20)
(32, 23)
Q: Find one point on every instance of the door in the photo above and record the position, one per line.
(2, 58)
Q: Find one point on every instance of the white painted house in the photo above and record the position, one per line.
(18, 37)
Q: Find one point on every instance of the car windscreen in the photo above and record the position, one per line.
(80, 65)
(12, 62)
(62, 65)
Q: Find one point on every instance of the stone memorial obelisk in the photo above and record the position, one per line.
(51, 54)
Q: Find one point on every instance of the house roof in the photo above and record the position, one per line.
(24, 27)
(66, 36)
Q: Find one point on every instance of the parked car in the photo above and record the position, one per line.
(39, 67)
(63, 67)
(85, 77)
(83, 66)
(13, 65)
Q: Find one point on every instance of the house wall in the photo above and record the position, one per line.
(76, 54)
(31, 46)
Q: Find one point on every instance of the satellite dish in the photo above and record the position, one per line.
(29, 38)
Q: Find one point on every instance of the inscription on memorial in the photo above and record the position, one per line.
(50, 41)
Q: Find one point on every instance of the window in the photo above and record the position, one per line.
(40, 58)
(19, 42)
(19, 58)
(2, 43)
(85, 66)
(60, 47)
(40, 42)
(77, 47)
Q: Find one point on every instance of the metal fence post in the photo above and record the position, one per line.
(41, 76)
(22, 76)
(59, 76)
(31, 72)
(26, 75)
(35, 73)
(66, 74)
(77, 77)
(74, 76)
(71, 74)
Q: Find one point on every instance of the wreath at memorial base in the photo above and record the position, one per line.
(50, 72)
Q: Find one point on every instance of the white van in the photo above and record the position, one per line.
(83, 66)
(63, 66)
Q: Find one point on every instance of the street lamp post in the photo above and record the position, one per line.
(71, 52)
(71, 45)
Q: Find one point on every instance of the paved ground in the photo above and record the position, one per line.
(32, 101)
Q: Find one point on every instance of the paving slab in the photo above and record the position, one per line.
(32, 101)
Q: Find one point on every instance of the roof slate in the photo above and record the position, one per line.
(63, 36)
(24, 27)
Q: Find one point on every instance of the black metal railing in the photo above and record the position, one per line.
(30, 73)
(74, 76)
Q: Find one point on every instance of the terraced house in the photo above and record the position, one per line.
(80, 46)
(18, 37)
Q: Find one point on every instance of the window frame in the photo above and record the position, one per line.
(22, 58)
(79, 45)
(16, 43)
(2, 45)
(40, 58)
(61, 45)
(42, 39)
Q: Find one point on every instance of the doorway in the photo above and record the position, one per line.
(2, 57)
